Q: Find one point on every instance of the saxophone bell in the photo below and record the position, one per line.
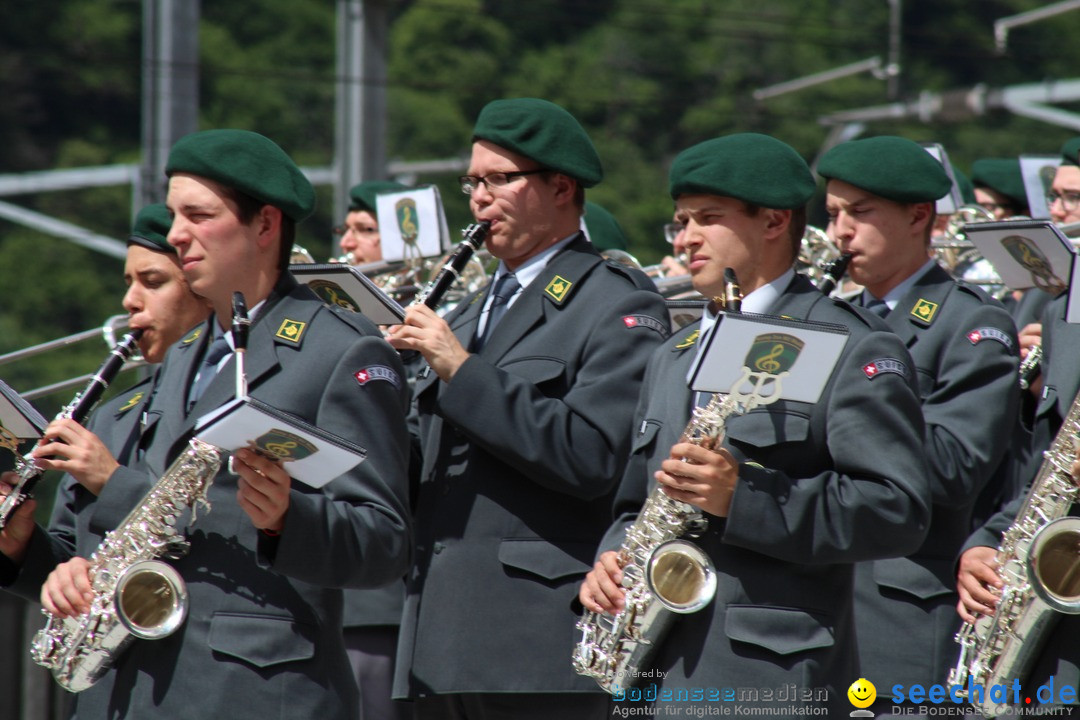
(1054, 565)
(151, 600)
(681, 577)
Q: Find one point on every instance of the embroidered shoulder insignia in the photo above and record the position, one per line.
(557, 288)
(131, 402)
(990, 333)
(689, 340)
(291, 330)
(377, 372)
(192, 336)
(645, 321)
(884, 365)
(924, 311)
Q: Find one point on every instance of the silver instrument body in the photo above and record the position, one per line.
(135, 594)
(1039, 565)
(663, 575)
(1031, 366)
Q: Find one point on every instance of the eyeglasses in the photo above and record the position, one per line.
(1069, 200)
(994, 207)
(469, 183)
(672, 230)
(340, 230)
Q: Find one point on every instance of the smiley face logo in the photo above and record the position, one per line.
(862, 693)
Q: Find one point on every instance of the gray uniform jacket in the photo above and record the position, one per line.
(1059, 657)
(965, 352)
(820, 487)
(116, 423)
(522, 449)
(263, 635)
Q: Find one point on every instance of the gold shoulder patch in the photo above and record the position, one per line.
(291, 330)
(192, 336)
(689, 340)
(924, 311)
(131, 402)
(557, 288)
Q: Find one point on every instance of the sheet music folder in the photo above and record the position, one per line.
(310, 454)
(18, 417)
(347, 287)
(747, 346)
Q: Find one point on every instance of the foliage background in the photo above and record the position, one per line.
(646, 77)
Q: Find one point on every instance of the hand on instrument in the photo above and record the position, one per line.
(601, 591)
(66, 592)
(978, 582)
(69, 447)
(1029, 337)
(262, 489)
(20, 526)
(427, 333)
(704, 478)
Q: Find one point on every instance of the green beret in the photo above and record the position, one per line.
(757, 169)
(891, 167)
(248, 162)
(151, 228)
(541, 131)
(362, 196)
(1069, 152)
(605, 233)
(1000, 175)
(964, 184)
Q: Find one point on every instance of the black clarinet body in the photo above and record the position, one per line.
(78, 409)
(472, 238)
(832, 272)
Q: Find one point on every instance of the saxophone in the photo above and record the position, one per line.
(664, 575)
(1039, 565)
(135, 595)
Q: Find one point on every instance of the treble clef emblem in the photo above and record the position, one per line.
(770, 362)
(281, 449)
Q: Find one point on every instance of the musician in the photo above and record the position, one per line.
(880, 196)
(160, 302)
(1057, 658)
(999, 187)
(267, 562)
(798, 493)
(1063, 199)
(601, 228)
(524, 428)
(372, 616)
(359, 236)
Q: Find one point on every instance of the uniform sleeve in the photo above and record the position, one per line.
(575, 442)
(972, 410)
(355, 531)
(634, 487)
(873, 502)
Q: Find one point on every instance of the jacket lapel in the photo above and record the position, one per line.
(546, 295)
(919, 307)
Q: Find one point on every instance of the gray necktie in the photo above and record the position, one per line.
(878, 307)
(217, 350)
(505, 288)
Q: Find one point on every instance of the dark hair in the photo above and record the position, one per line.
(796, 229)
(247, 208)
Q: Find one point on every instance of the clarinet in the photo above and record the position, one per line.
(79, 407)
(832, 272)
(241, 324)
(473, 237)
(1031, 367)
